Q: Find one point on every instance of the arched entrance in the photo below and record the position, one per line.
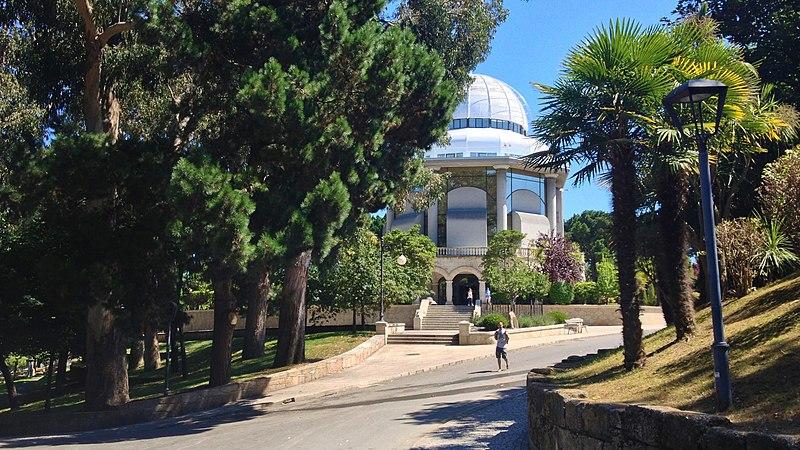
(461, 284)
(441, 291)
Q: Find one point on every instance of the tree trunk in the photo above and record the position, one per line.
(624, 195)
(224, 324)
(292, 320)
(136, 356)
(672, 191)
(11, 388)
(49, 384)
(152, 355)
(184, 367)
(61, 374)
(256, 290)
(106, 365)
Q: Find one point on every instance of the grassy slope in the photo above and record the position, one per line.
(150, 384)
(763, 330)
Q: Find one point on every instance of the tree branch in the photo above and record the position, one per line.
(84, 8)
(113, 30)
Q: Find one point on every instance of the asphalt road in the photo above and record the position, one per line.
(466, 405)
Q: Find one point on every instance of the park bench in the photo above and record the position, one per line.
(574, 325)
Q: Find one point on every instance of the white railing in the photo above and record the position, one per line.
(461, 251)
(476, 251)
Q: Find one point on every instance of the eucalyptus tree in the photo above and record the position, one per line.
(596, 115)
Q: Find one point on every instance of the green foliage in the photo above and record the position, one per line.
(551, 318)
(491, 321)
(777, 35)
(460, 32)
(591, 230)
(212, 216)
(557, 316)
(561, 293)
(607, 281)
(586, 292)
(352, 280)
(509, 275)
(777, 253)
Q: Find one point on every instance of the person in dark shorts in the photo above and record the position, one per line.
(501, 336)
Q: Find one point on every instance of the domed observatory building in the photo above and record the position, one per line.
(489, 188)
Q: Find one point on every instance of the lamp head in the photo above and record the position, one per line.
(402, 260)
(695, 92)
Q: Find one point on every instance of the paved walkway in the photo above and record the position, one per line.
(397, 360)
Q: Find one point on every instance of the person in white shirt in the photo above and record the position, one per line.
(469, 297)
(501, 335)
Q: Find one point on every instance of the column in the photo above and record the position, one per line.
(449, 292)
(551, 200)
(502, 207)
(433, 223)
(560, 209)
(482, 291)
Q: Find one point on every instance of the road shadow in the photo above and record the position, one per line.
(178, 426)
(498, 423)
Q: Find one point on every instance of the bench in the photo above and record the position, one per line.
(574, 325)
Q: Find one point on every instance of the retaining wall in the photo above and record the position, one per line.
(40, 423)
(203, 320)
(564, 419)
(468, 336)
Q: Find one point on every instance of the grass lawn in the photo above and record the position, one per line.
(763, 330)
(151, 383)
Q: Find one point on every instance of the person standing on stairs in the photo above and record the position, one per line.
(469, 297)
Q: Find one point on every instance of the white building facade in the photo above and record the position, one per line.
(490, 189)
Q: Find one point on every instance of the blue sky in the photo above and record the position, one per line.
(531, 44)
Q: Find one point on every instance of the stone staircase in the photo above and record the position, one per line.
(441, 337)
(446, 317)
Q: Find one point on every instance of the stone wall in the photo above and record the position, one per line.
(40, 423)
(564, 419)
(602, 315)
(203, 320)
(467, 335)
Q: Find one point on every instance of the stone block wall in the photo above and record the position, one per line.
(564, 419)
(602, 315)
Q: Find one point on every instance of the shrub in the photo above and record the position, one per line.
(607, 281)
(557, 316)
(586, 292)
(491, 321)
(779, 194)
(561, 293)
(739, 246)
(551, 318)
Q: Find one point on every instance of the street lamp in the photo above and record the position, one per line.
(693, 93)
(401, 261)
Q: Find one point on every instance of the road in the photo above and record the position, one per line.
(466, 405)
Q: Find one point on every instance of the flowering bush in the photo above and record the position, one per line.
(560, 261)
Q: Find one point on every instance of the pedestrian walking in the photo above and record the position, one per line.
(469, 297)
(501, 336)
(488, 296)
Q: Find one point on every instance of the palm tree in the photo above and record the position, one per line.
(597, 115)
(750, 117)
(703, 55)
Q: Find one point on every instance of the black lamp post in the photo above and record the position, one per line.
(693, 93)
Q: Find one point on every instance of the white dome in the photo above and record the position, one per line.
(491, 122)
(490, 98)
